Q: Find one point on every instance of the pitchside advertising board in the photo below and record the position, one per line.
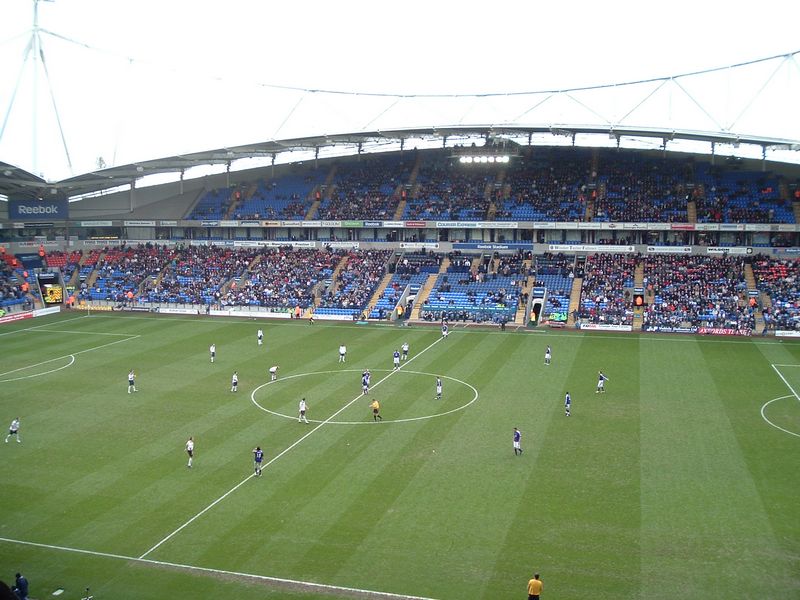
(52, 208)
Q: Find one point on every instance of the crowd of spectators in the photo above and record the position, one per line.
(552, 185)
(730, 196)
(365, 190)
(447, 193)
(414, 263)
(778, 278)
(282, 278)
(122, 270)
(66, 261)
(197, 274)
(11, 289)
(642, 189)
(357, 280)
(694, 291)
(285, 198)
(606, 293)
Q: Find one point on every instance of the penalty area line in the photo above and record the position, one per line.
(278, 581)
(284, 451)
(72, 355)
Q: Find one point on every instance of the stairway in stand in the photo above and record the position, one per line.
(378, 293)
(574, 300)
(93, 275)
(423, 294)
(412, 187)
(527, 286)
(325, 191)
(691, 211)
(638, 282)
(750, 279)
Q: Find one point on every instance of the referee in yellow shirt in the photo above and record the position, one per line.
(376, 410)
(534, 588)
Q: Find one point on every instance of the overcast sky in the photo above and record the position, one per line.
(167, 76)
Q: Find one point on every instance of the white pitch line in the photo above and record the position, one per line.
(80, 332)
(308, 585)
(791, 389)
(763, 416)
(35, 327)
(73, 354)
(406, 420)
(277, 456)
(43, 373)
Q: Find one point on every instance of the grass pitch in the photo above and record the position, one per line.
(682, 479)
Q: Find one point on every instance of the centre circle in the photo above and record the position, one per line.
(352, 401)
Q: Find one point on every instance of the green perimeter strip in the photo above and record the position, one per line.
(305, 585)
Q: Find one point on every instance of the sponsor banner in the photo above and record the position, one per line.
(589, 248)
(95, 307)
(341, 244)
(95, 223)
(658, 226)
(498, 224)
(731, 227)
(37, 244)
(352, 224)
(590, 225)
(40, 312)
(669, 249)
(168, 223)
(229, 223)
(415, 224)
(312, 223)
(660, 329)
(271, 224)
(756, 227)
(782, 227)
(544, 224)
(324, 223)
(293, 223)
(728, 250)
(394, 223)
(25, 209)
(787, 250)
(634, 226)
(18, 225)
(784, 333)
(611, 225)
(417, 245)
(605, 327)
(209, 223)
(179, 311)
(722, 331)
(489, 246)
(139, 223)
(250, 223)
(248, 313)
(16, 317)
(324, 317)
(706, 226)
(249, 243)
(373, 223)
(681, 226)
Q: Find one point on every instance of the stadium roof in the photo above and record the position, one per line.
(86, 113)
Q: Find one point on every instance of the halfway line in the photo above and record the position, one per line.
(791, 389)
(277, 456)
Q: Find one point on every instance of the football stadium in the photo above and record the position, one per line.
(265, 335)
